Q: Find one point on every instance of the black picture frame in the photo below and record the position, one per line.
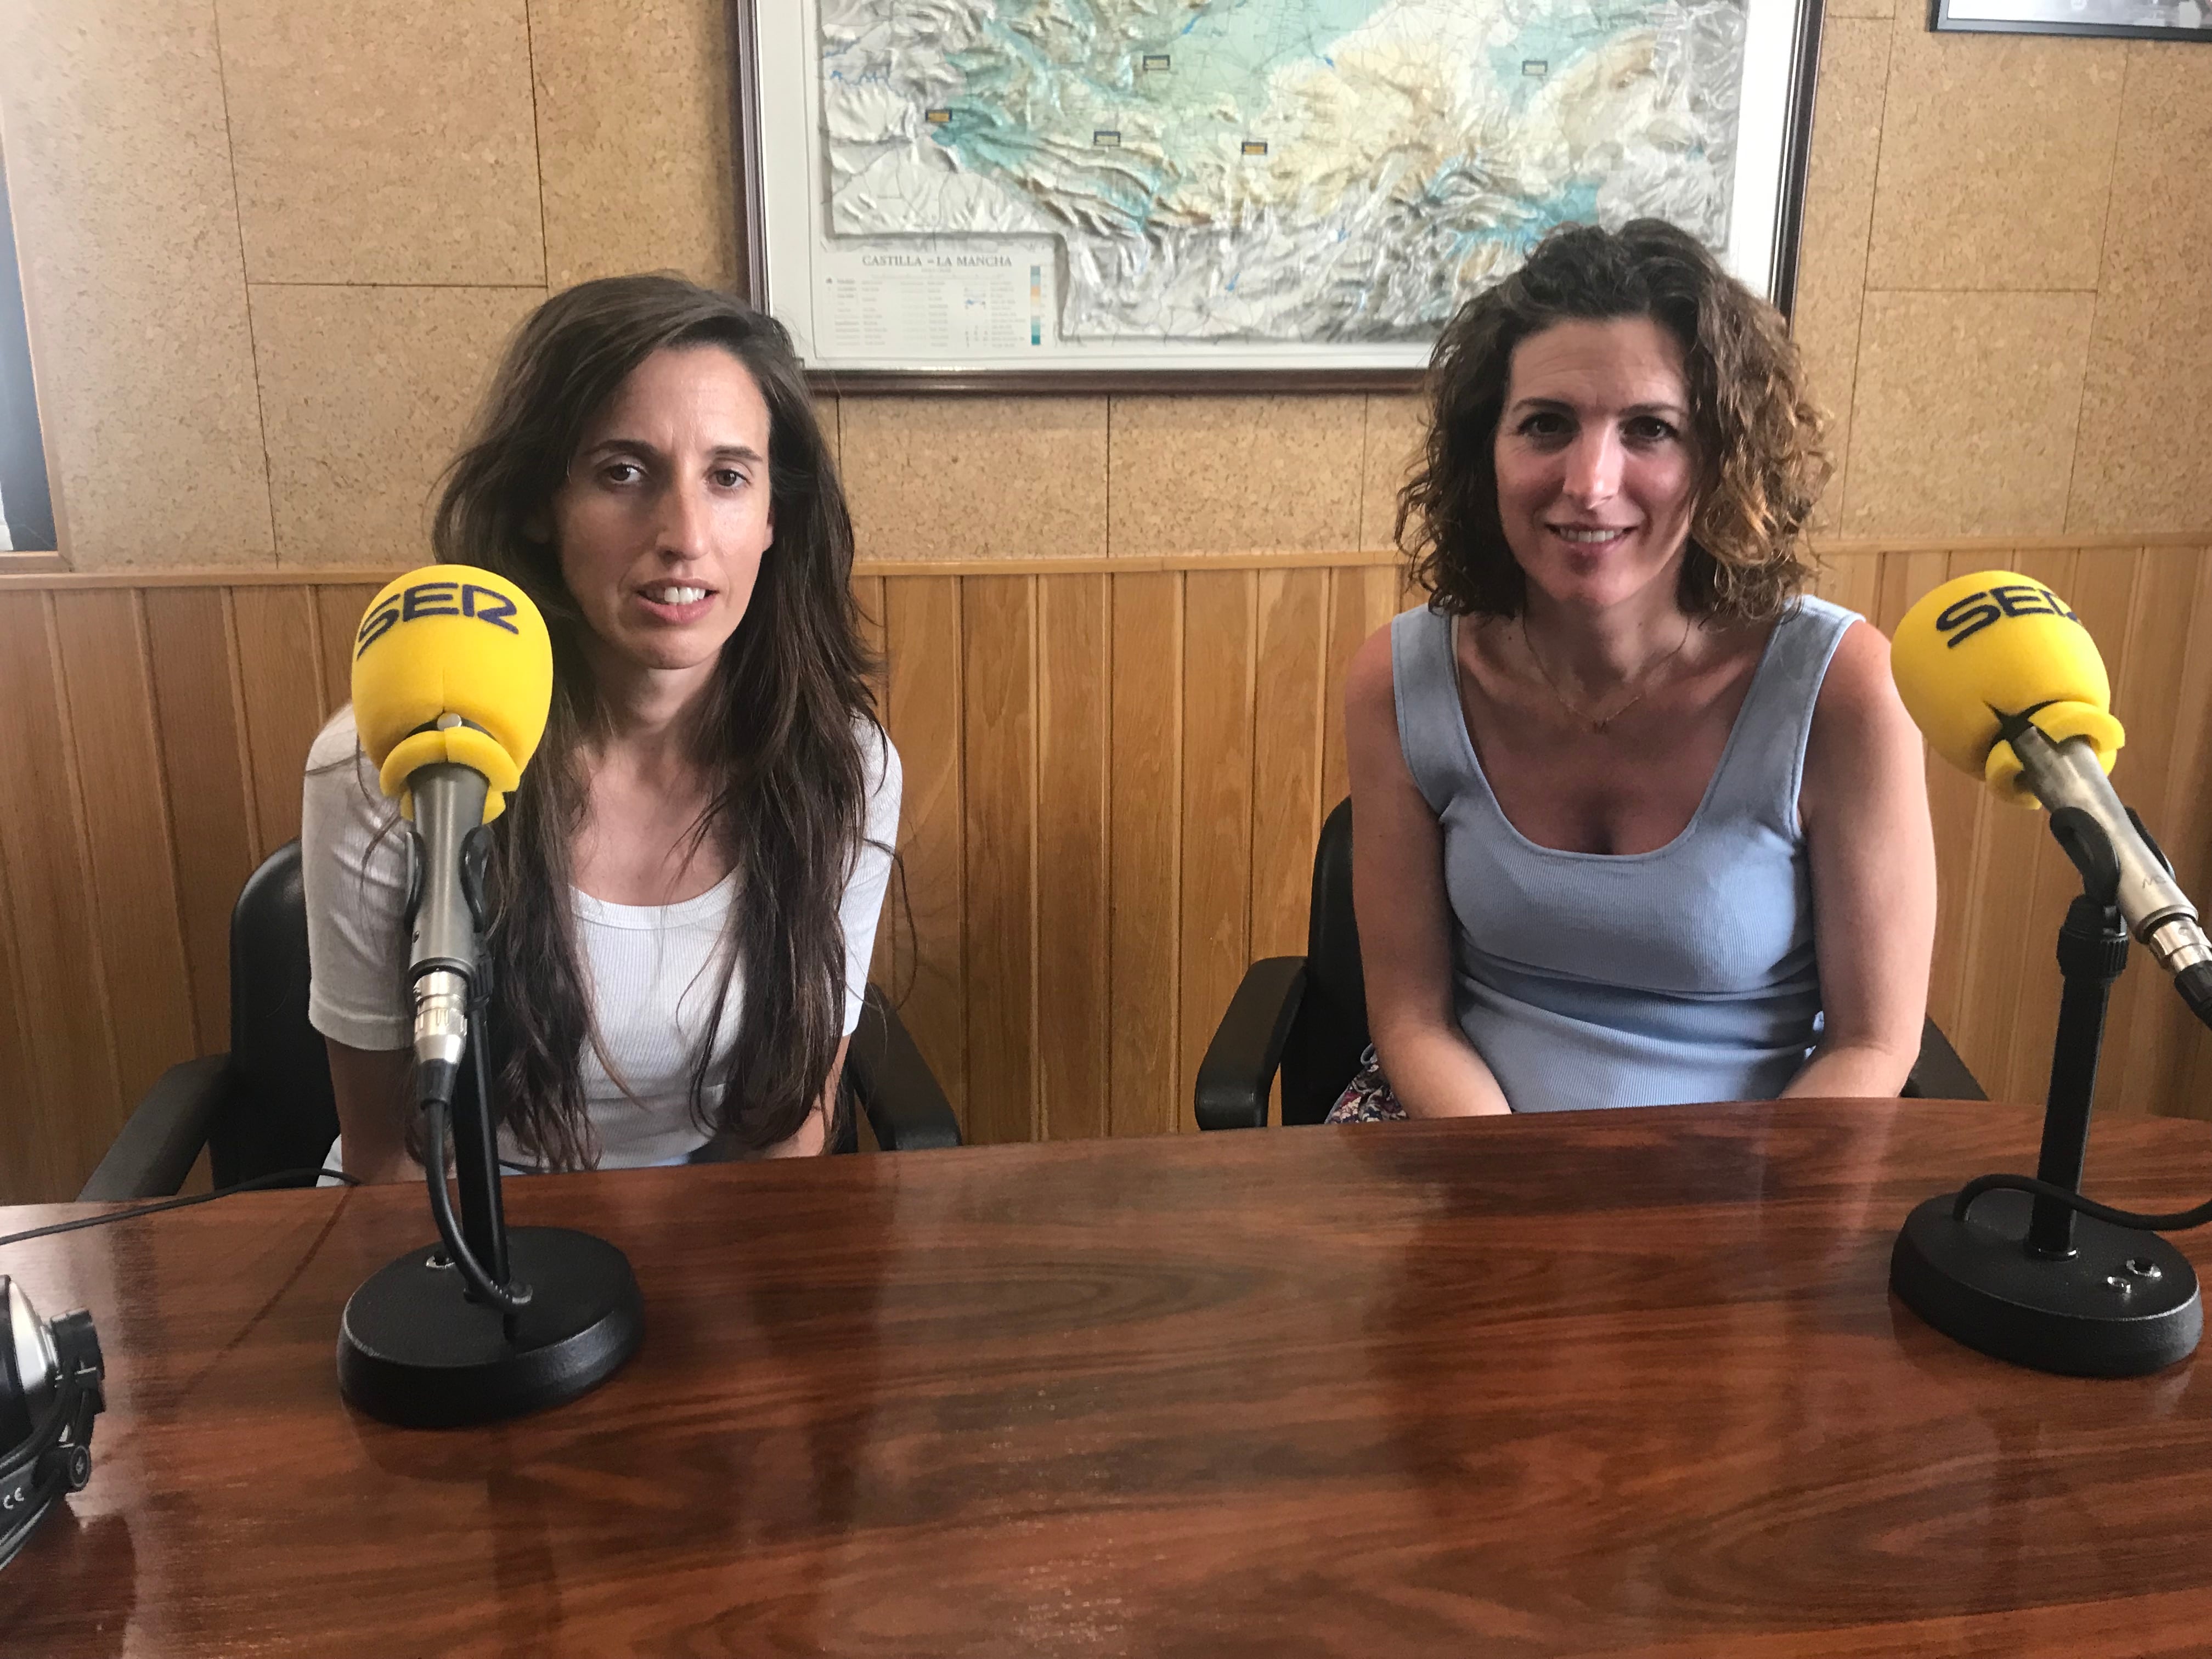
(1941, 20)
(751, 264)
(24, 486)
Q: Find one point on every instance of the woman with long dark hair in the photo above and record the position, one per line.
(1638, 822)
(684, 892)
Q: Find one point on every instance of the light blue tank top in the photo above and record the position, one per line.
(1639, 979)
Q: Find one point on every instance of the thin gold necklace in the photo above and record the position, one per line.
(1594, 723)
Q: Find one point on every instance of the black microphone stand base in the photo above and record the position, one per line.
(2124, 1303)
(416, 1351)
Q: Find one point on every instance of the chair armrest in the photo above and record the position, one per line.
(1240, 1063)
(162, 1140)
(1939, 1074)
(897, 1089)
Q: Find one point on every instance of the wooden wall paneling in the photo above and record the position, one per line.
(1093, 850)
(2160, 690)
(281, 675)
(24, 1123)
(998, 631)
(2185, 1089)
(1405, 592)
(1145, 818)
(1852, 579)
(68, 1037)
(1074, 670)
(108, 681)
(1347, 628)
(868, 595)
(1215, 932)
(339, 607)
(2006, 943)
(2100, 589)
(199, 724)
(1954, 801)
(1389, 593)
(2027, 881)
(923, 709)
(1290, 711)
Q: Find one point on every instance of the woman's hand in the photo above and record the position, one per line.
(812, 1138)
(1405, 920)
(1863, 804)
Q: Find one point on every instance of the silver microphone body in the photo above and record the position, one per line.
(449, 805)
(2158, 913)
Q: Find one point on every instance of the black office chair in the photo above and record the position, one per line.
(266, 1105)
(1307, 1016)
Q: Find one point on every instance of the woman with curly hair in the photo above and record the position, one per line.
(1638, 822)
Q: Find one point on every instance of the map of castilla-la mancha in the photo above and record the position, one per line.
(1294, 170)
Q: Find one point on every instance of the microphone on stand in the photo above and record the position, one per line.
(452, 676)
(2006, 684)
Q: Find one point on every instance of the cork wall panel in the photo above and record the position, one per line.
(1965, 412)
(1234, 474)
(2150, 360)
(367, 392)
(118, 171)
(383, 140)
(1838, 211)
(491, 143)
(631, 183)
(1997, 155)
(975, 478)
(1397, 427)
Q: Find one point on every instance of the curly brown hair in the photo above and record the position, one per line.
(1758, 435)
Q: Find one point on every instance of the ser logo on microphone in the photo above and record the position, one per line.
(1966, 617)
(486, 604)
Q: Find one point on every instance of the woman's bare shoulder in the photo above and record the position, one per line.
(1863, 746)
(1858, 686)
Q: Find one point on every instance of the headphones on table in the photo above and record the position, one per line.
(51, 1376)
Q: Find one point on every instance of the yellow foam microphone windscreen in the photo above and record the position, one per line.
(452, 663)
(1996, 644)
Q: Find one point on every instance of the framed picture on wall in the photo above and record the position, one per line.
(1031, 194)
(27, 505)
(2150, 19)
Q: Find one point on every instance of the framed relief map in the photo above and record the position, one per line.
(26, 507)
(2147, 19)
(939, 193)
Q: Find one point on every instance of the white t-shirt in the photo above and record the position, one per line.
(651, 971)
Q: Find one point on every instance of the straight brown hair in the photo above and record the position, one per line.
(783, 736)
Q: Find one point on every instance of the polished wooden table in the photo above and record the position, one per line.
(1613, 1382)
